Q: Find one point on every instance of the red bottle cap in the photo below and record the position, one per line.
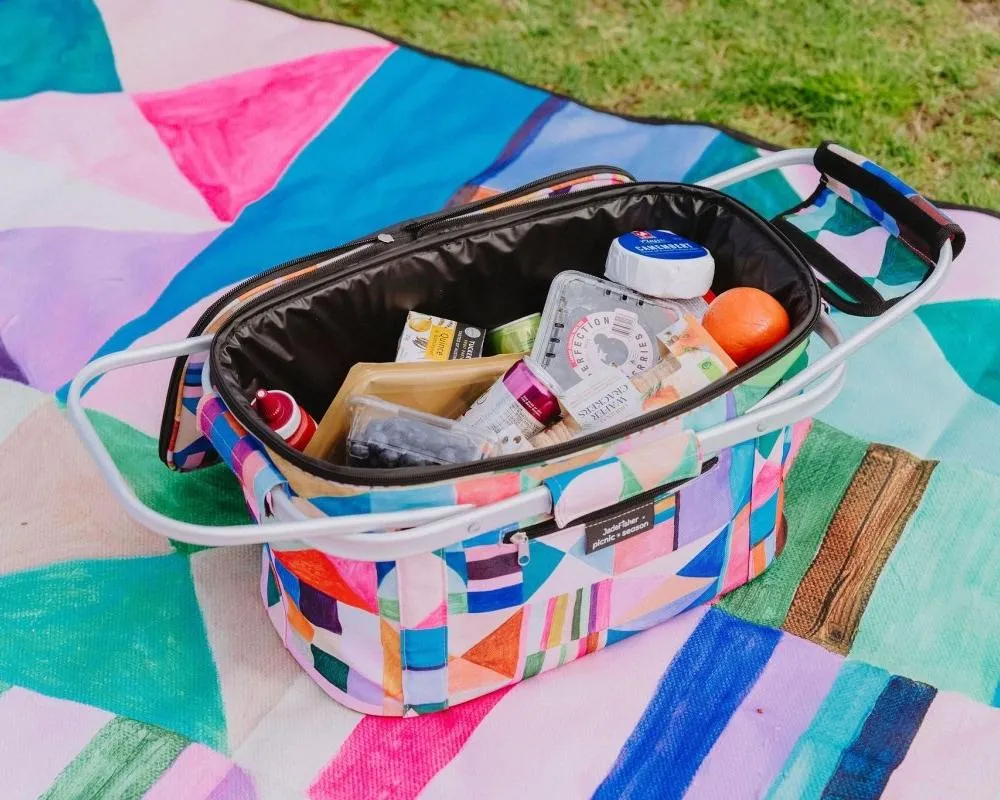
(279, 410)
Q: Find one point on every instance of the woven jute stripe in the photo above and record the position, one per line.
(834, 592)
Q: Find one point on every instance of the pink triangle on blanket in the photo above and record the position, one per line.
(233, 137)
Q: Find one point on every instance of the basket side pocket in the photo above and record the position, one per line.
(585, 586)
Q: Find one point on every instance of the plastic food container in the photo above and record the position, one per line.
(385, 435)
(590, 323)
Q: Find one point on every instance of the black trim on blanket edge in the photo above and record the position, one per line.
(740, 136)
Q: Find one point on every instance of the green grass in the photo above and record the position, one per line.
(912, 84)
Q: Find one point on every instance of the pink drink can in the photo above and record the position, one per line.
(521, 399)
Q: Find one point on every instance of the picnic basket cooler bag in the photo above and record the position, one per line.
(407, 591)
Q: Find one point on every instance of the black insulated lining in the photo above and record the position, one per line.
(304, 338)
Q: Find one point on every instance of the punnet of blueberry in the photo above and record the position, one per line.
(385, 436)
(401, 442)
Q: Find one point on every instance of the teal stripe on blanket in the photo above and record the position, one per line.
(816, 756)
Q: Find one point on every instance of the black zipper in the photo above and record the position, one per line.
(432, 222)
(209, 314)
(540, 529)
(411, 476)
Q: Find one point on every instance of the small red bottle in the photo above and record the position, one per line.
(285, 417)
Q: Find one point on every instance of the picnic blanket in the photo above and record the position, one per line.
(154, 154)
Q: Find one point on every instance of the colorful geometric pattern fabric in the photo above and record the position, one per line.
(887, 256)
(431, 631)
(157, 671)
(589, 489)
(240, 451)
(877, 256)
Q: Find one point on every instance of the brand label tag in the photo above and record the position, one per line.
(618, 527)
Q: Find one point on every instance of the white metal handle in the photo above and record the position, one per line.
(363, 536)
(352, 536)
(802, 156)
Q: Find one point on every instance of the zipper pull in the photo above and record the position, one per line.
(385, 238)
(520, 538)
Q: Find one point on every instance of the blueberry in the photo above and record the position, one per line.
(390, 457)
(393, 426)
(411, 460)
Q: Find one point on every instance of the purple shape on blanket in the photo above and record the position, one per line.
(574, 136)
(8, 367)
(760, 735)
(66, 290)
(237, 785)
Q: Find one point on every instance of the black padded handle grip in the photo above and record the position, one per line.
(889, 201)
(886, 200)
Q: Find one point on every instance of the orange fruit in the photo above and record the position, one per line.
(746, 322)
